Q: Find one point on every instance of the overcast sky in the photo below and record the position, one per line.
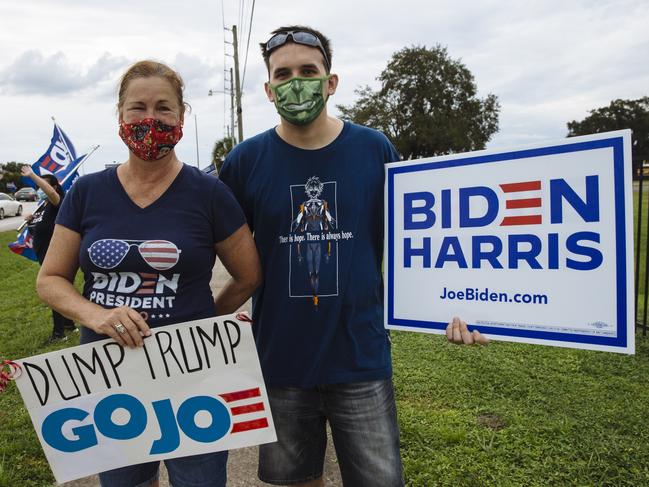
(548, 62)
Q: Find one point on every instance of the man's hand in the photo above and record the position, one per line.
(457, 332)
(29, 217)
(26, 171)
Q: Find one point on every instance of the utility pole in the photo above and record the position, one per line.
(238, 82)
(234, 140)
(230, 134)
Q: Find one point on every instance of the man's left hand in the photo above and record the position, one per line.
(457, 332)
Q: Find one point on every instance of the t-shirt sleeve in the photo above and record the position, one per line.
(391, 153)
(70, 209)
(226, 174)
(228, 215)
(231, 175)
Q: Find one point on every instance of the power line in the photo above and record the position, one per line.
(245, 64)
(242, 7)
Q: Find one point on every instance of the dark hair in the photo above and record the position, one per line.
(148, 69)
(326, 43)
(51, 179)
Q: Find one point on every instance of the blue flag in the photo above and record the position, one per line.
(68, 174)
(58, 156)
(24, 245)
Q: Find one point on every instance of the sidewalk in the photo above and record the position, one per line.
(242, 463)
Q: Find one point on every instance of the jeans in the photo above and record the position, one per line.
(363, 421)
(206, 470)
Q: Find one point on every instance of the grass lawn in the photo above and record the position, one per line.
(504, 415)
(642, 274)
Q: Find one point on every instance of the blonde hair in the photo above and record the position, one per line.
(148, 69)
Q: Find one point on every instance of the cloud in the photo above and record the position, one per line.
(197, 74)
(32, 73)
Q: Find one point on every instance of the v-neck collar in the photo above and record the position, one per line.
(158, 201)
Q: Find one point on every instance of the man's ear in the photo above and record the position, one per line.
(332, 84)
(269, 92)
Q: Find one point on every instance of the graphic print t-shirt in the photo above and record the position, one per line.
(158, 260)
(317, 217)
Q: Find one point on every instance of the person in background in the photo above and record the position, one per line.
(313, 187)
(41, 227)
(158, 218)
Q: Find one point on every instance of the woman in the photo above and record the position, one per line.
(178, 218)
(41, 226)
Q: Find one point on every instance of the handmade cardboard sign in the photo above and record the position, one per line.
(531, 245)
(193, 388)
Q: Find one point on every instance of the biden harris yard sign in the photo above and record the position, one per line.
(532, 245)
(193, 388)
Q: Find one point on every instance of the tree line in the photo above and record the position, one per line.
(10, 173)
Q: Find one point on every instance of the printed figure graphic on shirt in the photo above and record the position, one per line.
(313, 221)
(144, 290)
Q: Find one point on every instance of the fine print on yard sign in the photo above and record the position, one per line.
(193, 388)
(532, 245)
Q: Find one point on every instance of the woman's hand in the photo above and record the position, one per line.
(124, 325)
(26, 171)
(458, 333)
(29, 217)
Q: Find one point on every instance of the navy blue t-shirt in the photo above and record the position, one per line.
(158, 260)
(317, 218)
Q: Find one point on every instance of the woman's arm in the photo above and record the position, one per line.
(239, 256)
(47, 188)
(55, 287)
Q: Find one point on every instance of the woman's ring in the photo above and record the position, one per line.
(121, 329)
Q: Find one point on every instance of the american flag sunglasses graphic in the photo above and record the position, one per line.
(109, 253)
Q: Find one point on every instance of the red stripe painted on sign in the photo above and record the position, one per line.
(522, 220)
(145, 291)
(238, 395)
(255, 424)
(523, 203)
(148, 283)
(146, 275)
(526, 186)
(251, 408)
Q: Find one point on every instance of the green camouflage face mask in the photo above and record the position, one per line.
(299, 100)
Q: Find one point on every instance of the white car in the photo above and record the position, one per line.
(9, 206)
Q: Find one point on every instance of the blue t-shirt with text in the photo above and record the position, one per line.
(158, 260)
(317, 218)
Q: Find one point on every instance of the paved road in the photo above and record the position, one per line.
(242, 464)
(13, 222)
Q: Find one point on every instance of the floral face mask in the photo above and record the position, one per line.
(150, 139)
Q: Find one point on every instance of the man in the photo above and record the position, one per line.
(312, 191)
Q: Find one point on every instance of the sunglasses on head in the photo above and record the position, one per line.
(299, 37)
